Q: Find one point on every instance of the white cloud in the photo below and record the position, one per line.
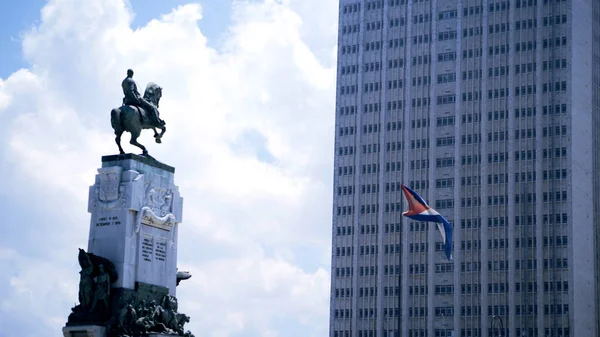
(4, 98)
(256, 232)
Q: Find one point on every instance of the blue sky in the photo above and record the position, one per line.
(18, 16)
(249, 100)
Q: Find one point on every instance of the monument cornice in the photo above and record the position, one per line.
(142, 159)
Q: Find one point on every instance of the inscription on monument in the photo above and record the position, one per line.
(108, 221)
(147, 248)
(161, 250)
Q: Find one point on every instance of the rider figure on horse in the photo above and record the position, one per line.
(133, 97)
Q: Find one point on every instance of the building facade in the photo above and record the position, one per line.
(490, 111)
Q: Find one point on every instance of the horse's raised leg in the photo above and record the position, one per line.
(133, 141)
(118, 141)
(158, 137)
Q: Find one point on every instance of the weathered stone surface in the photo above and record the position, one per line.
(135, 209)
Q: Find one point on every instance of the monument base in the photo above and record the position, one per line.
(84, 331)
(129, 274)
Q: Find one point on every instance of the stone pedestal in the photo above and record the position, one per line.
(129, 271)
(135, 209)
(84, 331)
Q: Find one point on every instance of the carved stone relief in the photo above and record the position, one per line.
(159, 200)
(109, 191)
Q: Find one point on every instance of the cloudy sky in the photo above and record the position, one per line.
(248, 97)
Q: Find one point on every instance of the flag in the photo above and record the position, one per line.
(420, 211)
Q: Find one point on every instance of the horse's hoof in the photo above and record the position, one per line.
(158, 140)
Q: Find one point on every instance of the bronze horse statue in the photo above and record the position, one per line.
(134, 119)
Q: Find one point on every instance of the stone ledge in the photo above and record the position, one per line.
(84, 331)
(144, 160)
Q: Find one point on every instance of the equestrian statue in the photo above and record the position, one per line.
(137, 113)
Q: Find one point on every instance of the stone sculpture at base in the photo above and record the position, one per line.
(129, 274)
(96, 276)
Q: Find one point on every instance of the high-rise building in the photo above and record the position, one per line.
(490, 110)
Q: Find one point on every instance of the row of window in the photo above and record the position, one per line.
(465, 311)
(470, 202)
(367, 292)
(349, 29)
(417, 312)
(345, 170)
(351, 8)
(473, 31)
(498, 157)
(372, 5)
(344, 292)
(447, 99)
(376, 25)
(447, 14)
(418, 247)
(493, 288)
(369, 229)
(368, 250)
(531, 264)
(444, 162)
(344, 272)
(444, 203)
(472, 223)
(344, 251)
(342, 313)
(466, 118)
(345, 230)
(390, 312)
(465, 202)
(493, 179)
(444, 289)
(373, 107)
(468, 53)
(417, 268)
(470, 245)
(529, 220)
(391, 249)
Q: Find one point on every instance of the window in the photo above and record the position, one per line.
(444, 121)
(444, 162)
(445, 141)
(450, 14)
(448, 35)
(444, 267)
(444, 203)
(446, 99)
(446, 78)
(397, 22)
(447, 56)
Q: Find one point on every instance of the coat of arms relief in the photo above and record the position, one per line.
(109, 192)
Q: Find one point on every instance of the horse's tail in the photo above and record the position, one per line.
(116, 119)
